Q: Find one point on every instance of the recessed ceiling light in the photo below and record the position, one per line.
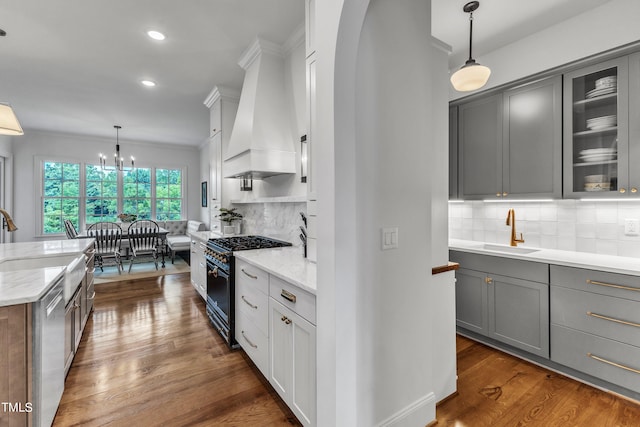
(156, 35)
(148, 83)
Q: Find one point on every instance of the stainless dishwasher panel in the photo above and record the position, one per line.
(48, 355)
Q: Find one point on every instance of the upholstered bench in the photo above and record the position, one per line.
(178, 238)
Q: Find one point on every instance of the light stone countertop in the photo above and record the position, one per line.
(29, 285)
(45, 248)
(25, 286)
(591, 261)
(203, 236)
(286, 263)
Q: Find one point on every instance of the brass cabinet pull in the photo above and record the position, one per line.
(612, 319)
(609, 285)
(288, 295)
(248, 340)
(634, 190)
(248, 303)
(622, 190)
(286, 320)
(488, 280)
(609, 362)
(505, 194)
(250, 275)
(498, 194)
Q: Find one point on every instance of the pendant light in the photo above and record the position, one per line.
(471, 75)
(9, 124)
(118, 160)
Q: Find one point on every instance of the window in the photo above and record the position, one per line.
(101, 194)
(168, 194)
(86, 194)
(136, 194)
(61, 196)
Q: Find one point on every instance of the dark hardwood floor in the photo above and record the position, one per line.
(496, 389)
(148, 357)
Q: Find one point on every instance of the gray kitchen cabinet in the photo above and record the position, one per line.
(510, 143)
(480, 148)
(504, 299)
(453, 153)
(598, 157)
(595, 320)
(532, 140)
(471, 301)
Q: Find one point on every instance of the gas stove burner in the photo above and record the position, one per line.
(242, 243)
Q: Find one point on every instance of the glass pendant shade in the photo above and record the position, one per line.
(470, 76)
(9, 124)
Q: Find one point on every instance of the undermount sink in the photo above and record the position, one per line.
(509, 249)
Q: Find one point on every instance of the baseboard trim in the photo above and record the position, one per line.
(418, 414)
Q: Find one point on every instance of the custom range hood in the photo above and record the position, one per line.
(261, 143)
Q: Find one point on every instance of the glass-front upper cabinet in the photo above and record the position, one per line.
(596, 131)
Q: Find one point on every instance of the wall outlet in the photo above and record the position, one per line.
(631, 227)
(389, 238)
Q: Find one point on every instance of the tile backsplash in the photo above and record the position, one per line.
(573, 225)
(278, 220)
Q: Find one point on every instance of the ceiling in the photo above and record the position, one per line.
(75, 66)
(497, 23)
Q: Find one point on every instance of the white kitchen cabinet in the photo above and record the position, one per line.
(310, 26)
(293, 360)
(198, 268)
(252, 317)
(223, 106)
(275, 326)
(77, 312)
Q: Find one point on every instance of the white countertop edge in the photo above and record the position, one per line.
(586, 260)
(39, 281)
(298, 271)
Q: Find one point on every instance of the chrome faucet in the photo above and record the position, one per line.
(8, 221)
(511, 220)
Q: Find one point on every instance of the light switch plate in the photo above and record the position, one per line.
(631, 227)
(389, 238)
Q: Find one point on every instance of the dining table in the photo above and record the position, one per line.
(162, 240)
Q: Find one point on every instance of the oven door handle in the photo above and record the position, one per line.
(213, 272)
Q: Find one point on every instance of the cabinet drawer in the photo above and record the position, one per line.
(608, 317)
(606, 359)
(525, 270)
(253, 304)
(251, 276)
(301, 302)
(599, 282)
(254, 342)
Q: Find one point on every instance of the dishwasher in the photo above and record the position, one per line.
(48, 354)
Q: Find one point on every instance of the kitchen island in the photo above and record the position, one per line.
(34, 281)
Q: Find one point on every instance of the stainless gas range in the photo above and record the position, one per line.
(221, 278)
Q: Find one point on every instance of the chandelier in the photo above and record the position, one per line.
(117, 159)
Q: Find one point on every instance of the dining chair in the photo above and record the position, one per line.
(143, 240)
(108, 242)
(70, 230)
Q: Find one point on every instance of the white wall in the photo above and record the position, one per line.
(57, 146)
(375, 135)
(613, 24)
